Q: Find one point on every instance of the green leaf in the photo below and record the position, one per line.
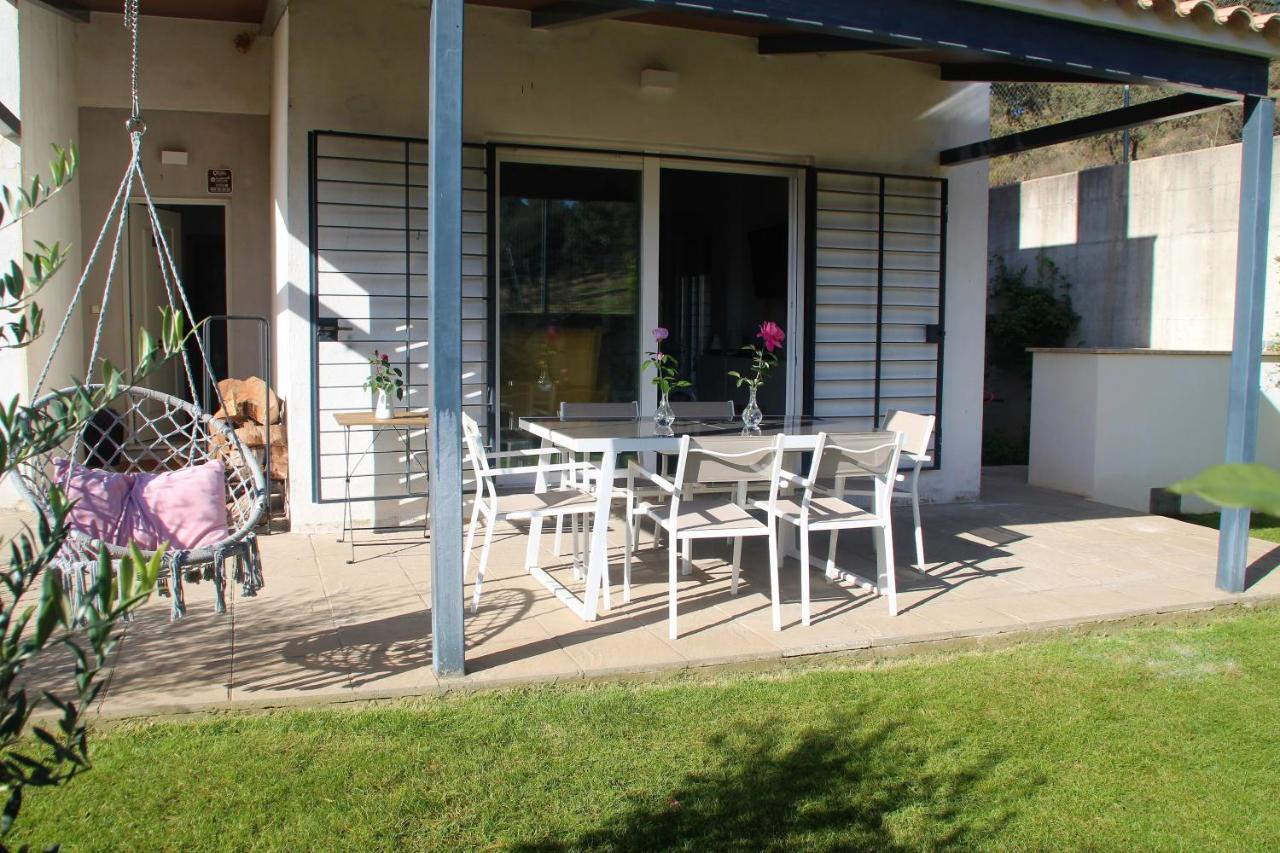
(51, 608)
(1255, 486)
(11, 809)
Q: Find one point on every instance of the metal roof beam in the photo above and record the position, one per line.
(1009, 72)
(571, 12)
(817, 43)
(1007, 35)
(1187, 103)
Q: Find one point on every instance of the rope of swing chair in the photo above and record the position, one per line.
(136, 127)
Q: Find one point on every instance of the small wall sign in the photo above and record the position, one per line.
(220, 182)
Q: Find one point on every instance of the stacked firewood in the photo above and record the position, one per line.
(249, 406)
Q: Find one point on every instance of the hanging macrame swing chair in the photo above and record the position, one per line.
(146, 431)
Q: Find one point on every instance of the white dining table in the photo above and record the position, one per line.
(611, 437)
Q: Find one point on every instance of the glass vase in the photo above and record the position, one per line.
(663, 416)
(751, 414)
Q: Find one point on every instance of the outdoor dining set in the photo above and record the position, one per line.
(701, 476)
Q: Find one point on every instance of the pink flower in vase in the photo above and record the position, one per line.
(772, 335)
(660, 334)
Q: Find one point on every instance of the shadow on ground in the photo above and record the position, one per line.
(838, 785)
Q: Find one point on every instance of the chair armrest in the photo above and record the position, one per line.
(530, 451)
(789, 479)
(526, 469)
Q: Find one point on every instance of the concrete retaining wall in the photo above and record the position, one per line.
(1150, 248)
(1114, 424)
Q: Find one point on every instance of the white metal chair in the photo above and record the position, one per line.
(718, 409)
(723, 459)
(838, 457)
(516, 506)
(599, 411)
(916, 431)
(686, 409)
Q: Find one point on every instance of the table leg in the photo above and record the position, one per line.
(597, 566)
(535, 523)
(348, 521)
(346, 483)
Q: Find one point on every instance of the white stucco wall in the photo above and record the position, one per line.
(1150, 249)
(49, 115)
(37, 82)
(13, 362)
(580, 85)
(1113, 425)
(212, 141)
(202, 95)
(186, 65)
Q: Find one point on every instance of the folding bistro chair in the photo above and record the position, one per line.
(515, 506)
(722, 459)
(714, 409)
(838, 457)
(916, 431)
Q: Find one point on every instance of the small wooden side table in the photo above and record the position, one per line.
(401, 423)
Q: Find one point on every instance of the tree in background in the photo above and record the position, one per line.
(1025, 309)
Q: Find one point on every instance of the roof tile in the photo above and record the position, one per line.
(1233, 15)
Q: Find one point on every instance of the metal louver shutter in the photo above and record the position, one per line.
(878, 275)
(369, 291)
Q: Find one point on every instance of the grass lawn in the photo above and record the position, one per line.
(1261, 525)
(1165, 736)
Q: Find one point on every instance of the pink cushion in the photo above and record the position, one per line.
(186, 509)
(100, 498)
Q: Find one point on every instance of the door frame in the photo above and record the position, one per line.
(137, 202)
(650, 166)
(795, 321)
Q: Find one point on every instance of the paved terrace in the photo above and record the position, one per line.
(1021, 559)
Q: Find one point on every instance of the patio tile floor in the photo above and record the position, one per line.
(1019, 559)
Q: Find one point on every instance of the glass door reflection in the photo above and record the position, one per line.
(568, 290)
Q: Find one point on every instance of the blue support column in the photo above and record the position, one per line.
(1246, 352)
(444, 245)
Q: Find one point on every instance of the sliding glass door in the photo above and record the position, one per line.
(568, 289)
